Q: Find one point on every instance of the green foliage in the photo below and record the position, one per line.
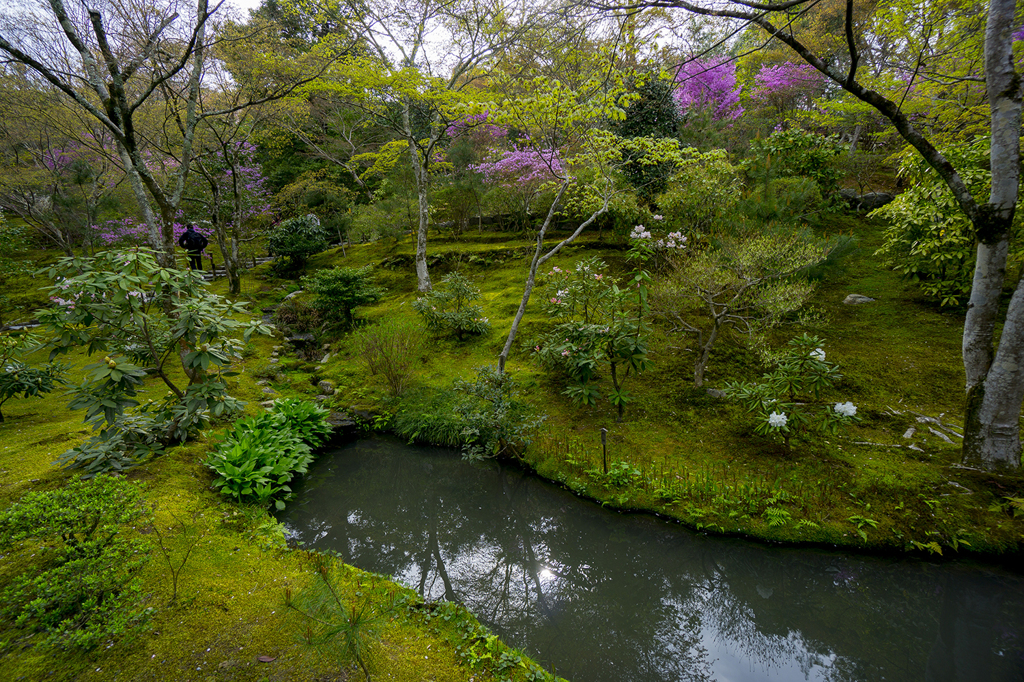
(390, 348)
(20, 379)
(429, 417)
(13, 242)
(702, 194)
(602, 330)
(305, 419)
(338, 291)
(928, 238)
(340, 626)
(782, 200)
(142, 315)
(82, 589)
(789, 400)
(295, 240)
(796, 152)
(258, 458)
(750, 283)
(448, 309)
(496, 422)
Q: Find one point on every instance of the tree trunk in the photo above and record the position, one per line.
(422, 189)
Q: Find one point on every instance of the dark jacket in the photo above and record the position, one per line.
(192, 241)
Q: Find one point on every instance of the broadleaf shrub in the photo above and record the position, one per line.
(338, 291)
(295, 240)
(261, 455)
(449, 308)
(82, 588)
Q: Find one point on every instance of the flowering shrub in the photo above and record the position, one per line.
(518, 176)
(602, 328)
(787, 85)
(143, 316)
(711, 86)
(448, 308)
(789, 400)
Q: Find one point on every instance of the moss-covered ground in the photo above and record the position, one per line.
(696, 458)
(690, 456)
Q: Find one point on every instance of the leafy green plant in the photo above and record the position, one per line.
(338, 291)
(305, 419)
(258, 458)
(81, 589)
(448, 309)
(390, 348)
(603, 330)
(789, 399)
(496, 420)
(147, 319)
(295, 240)
(796, 152)
(928, 239)
(20, 379)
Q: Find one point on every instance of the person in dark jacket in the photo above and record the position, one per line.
(193, 243)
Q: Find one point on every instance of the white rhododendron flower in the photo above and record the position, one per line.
(818, 354)
(777, 419)
(846, 409)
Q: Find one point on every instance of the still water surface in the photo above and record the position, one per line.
(598, 595)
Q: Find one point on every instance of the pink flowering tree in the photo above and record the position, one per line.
(235, 196)
(787, 86)
(708, 87)
(518, 175)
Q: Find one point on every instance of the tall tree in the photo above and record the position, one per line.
(113, 59)
(425, 58)
(994, 363)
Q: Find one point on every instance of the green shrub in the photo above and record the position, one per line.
(82, 589)
(19, 379)
(929, 239)
(390, 348)
(305, 419)
(701, 194)
(338, 291)
(261, 455)
(789, 399)
(295, 240)
(448, 308)
(486, 417)
(258, 459)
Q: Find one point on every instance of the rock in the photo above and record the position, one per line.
(340, 420)
(301, 339)
(872, 200)
(274, 354)
(325, 358)
(269, 391)
(274, 361)
(716, 393)
(857, 299)
(326, 346)
(267, 404)
(322, 398)
(326, 387)
(293, 294)
(262, 382)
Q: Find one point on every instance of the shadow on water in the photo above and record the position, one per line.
(605, 596)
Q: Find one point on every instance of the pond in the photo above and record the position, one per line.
(598, 595)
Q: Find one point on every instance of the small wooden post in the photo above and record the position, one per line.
(604, 448)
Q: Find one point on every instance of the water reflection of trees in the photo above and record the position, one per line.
(606, 596)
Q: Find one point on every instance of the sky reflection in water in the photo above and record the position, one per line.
(606, 596)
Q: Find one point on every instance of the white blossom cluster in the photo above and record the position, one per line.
(777, 419)
(846, 409)
(639, 233)
(818, 354)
